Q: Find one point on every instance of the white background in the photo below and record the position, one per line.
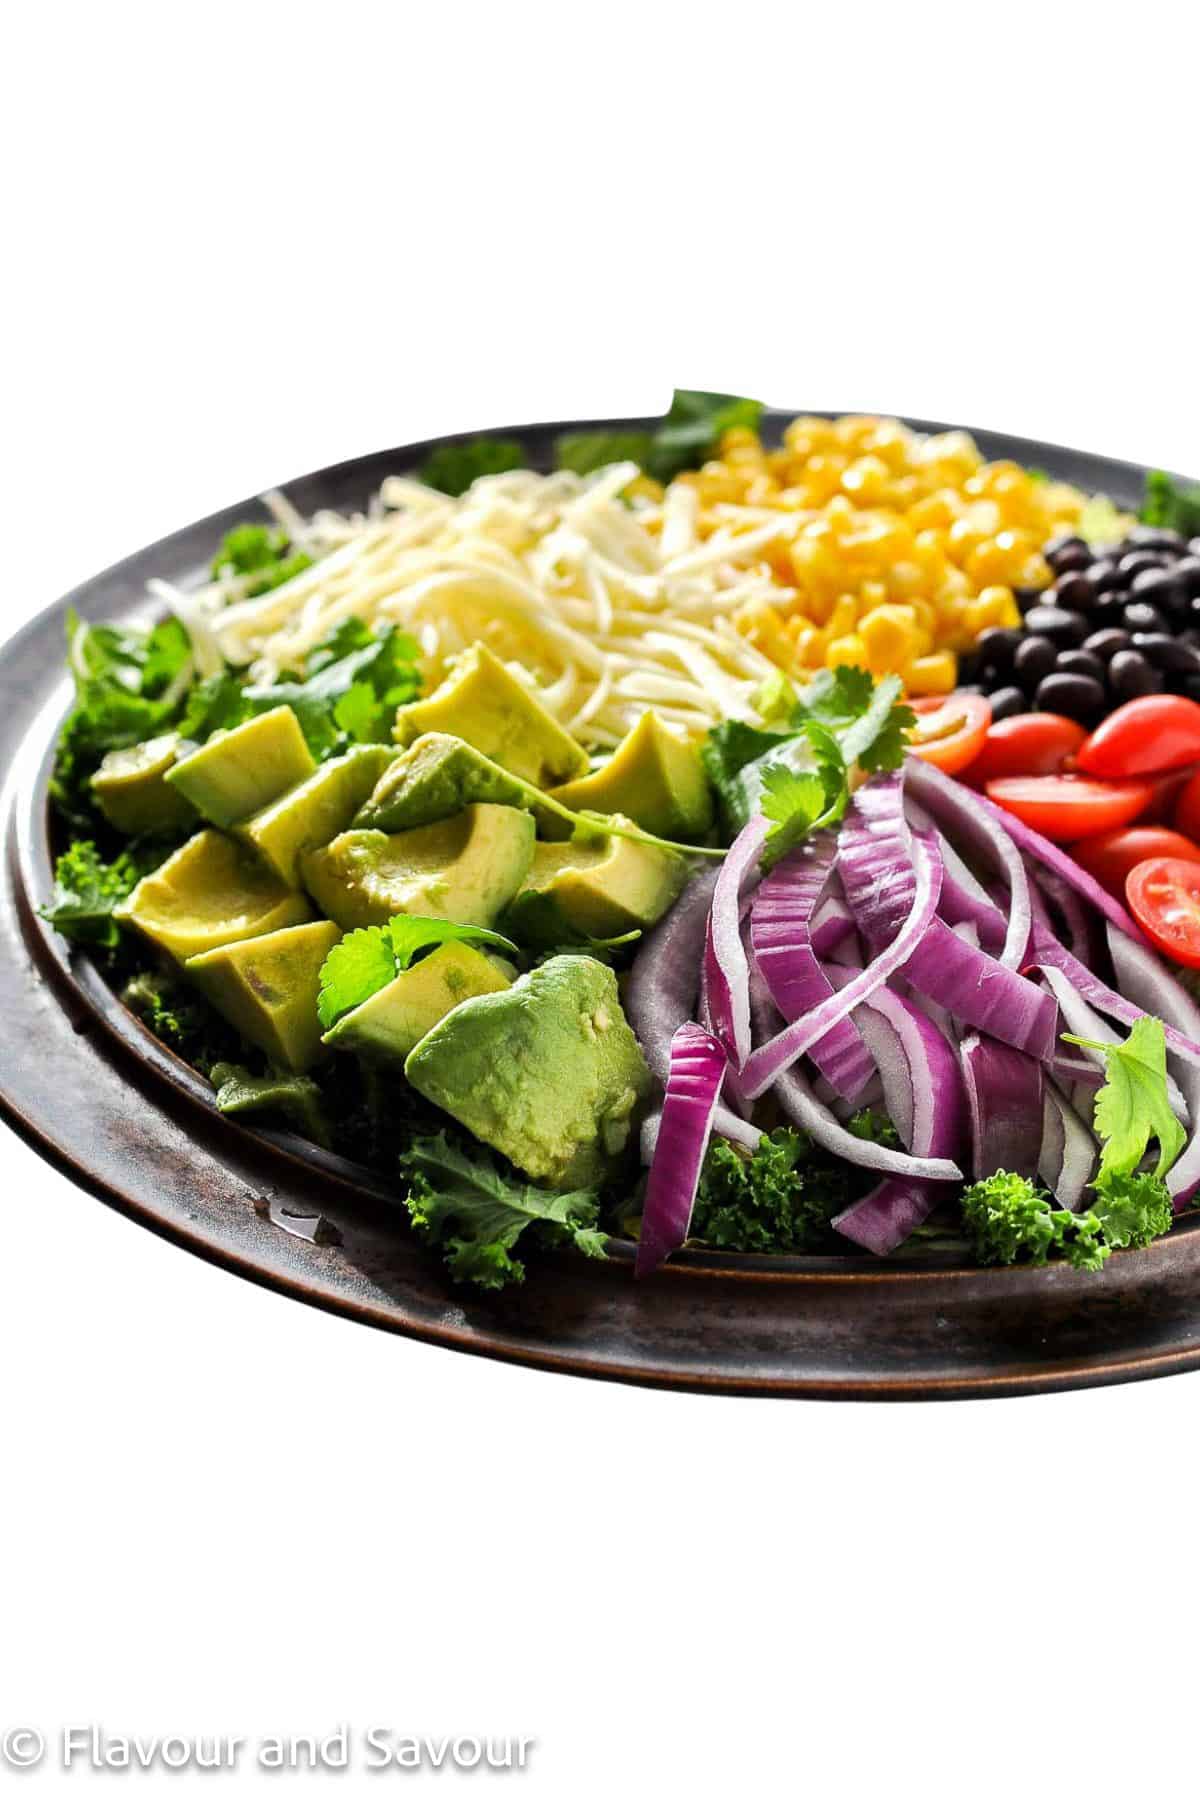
(248, 240)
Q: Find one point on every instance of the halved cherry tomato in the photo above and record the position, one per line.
(1187, 809)
(1164, 898)
(1066, 807)
(1144, 737)
(950, 730)
(1028, 744)
(1110, 856)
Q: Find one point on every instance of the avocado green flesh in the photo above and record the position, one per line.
(133, 793)
(437, 776)
(547, 1072)
(654, 778)
(466, 868)
(240, 771)
(210, 892)
(481, 701)
(267, 987)
(312, 814)
(394, 1020)
(595, 889)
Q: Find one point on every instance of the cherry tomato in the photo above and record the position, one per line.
(1187, 809)
(1110, 856)
(1164, 898)
(950, 730)
(1029, 744)
(1066, 807)
(1167, 789)
(1144, 737)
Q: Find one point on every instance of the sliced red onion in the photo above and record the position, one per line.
(964, 900)
(956, 808)
(1044, 852)
(801, 1105)
(1047, 952)
(978, 990)
(783, 952)
(1071, 910)
(727, 972)
(765, 1064)
(875, 860)
(1004, 1102)
(832, 924)
(885, 1217)
(1067, 1157)
(1149, 984)
(694, 1079)
(895, 1074)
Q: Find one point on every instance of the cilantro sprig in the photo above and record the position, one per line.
(1132, 1106)
(366, 960)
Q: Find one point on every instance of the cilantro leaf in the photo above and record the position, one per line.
(297, 1097)
(1171, 506)
(453, 467)
(693, 428)
(367, 959)
(1132, 1106)
(353, 682)
(87, 890)
(800, 801)
(585, 451)
(727, 750)
(477, 1213)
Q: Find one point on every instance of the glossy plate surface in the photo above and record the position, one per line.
(88, 1087)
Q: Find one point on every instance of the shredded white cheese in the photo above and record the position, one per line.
(608, 608)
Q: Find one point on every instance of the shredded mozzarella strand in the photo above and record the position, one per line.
(608, 608)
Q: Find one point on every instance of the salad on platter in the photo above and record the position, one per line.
(779, 850)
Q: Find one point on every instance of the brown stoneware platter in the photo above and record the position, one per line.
(87, 1086)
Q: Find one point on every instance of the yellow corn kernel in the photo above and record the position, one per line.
(889, 639)
(850, 649)
(867, 480)
(810, 647)
(844, 616)
(935, 674)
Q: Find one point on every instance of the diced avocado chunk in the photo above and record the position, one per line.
(654, 778)
(437, 776)
(466, 868)
(312, 814)
(267, 988)
(482, 701)
(210, 892)
(392, 1021)
(132, 791)
(237, 772)
(599, 887)
(548, 1072)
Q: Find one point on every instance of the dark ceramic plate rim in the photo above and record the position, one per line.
(346, 484)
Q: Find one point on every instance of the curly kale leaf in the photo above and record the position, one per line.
(1170, 506)
(1132, 1209)
(181, 1019)
(778, 1200)
(87, 890)
(476, 1212)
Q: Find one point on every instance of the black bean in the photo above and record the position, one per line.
(1191, 686)
(1164, 652)
(1106, 643)
(1026, 597)
(1074, 591)
(1188, 572)
(1080, 662)
(1155, 537)
(1130, 675)
(1053, 622)
(1078, 696)
(1140, 617)
(1103, 576)
(1136, 562)
(995, 648)
(1007, 701)
(1034, 659)
(1160, 587)
(1067, 554)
